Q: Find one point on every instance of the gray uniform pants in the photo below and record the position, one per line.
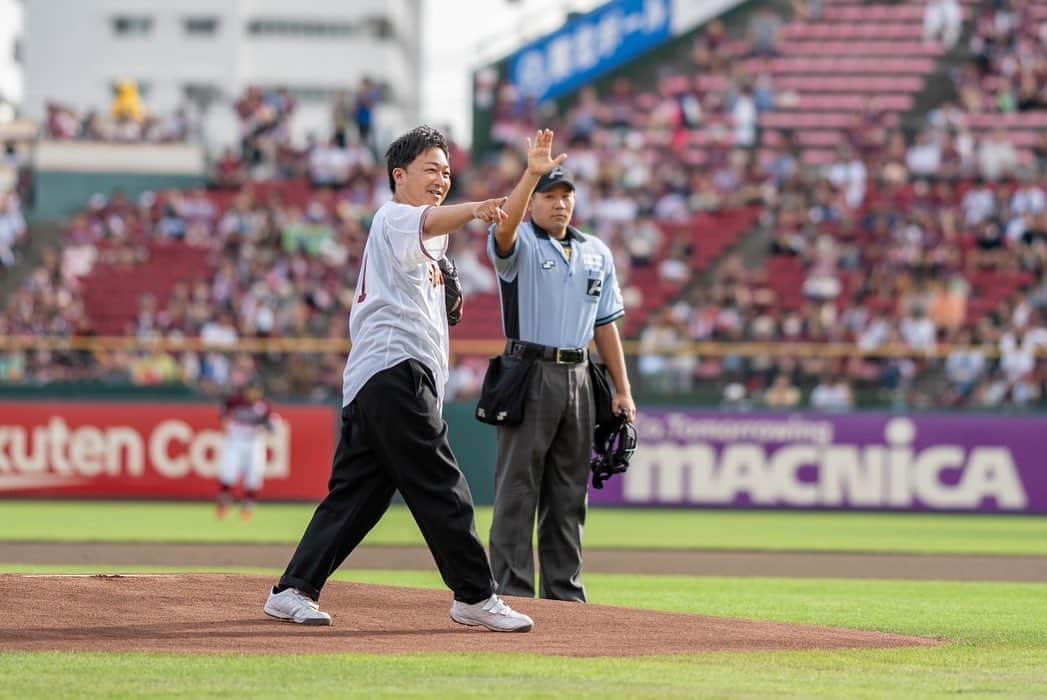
(543, 464)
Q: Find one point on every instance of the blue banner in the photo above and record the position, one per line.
(590, 46)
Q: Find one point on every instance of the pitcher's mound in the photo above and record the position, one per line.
(223, 613)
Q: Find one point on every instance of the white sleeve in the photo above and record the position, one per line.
(403, 225)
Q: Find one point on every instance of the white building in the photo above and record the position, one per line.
(10, 50)
(75, 52)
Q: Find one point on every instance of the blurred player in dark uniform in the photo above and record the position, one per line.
(247, 417)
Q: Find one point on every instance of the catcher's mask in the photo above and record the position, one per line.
(613, 446)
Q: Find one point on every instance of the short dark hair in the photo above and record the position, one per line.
(405, 149)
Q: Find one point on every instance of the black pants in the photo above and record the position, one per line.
(394, 438)
(543, 464)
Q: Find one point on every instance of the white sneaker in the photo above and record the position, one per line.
(493, 614)
(291, 605)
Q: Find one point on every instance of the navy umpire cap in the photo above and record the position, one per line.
(558, 176)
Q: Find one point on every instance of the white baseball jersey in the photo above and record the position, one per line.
(399, 310)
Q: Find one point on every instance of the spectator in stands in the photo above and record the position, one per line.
(220, 333)
(918, 330)
(10, 159)
(1031, 93)
(62, 122)
(12, 227)
(782, 393)
(643, 243)
(1040, 152)
(823, 282)
(763, 93)
(996, 156)
(173, 128)
(744, 115)
(735, 398)
(782, 163)
(229, 171)
(808, 10)
(474, 274)
(942, 21)
(147, 322)
(367, 97)
(990, 246)
(848, 173)
(948, 303)
(925, 156)
(154, 366)
(978, 203)
(707, 52)
(965, 366)
(341, 117)
(763, 32)
(832, 394)
(465, 380)
(1029, 198)
(663, 366)
(264, 118)
(329, 164)
(1018, 351)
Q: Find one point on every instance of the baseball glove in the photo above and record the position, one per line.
(613, 446)
(452, 291)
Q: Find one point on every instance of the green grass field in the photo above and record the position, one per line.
(47, 521)
(996, 632)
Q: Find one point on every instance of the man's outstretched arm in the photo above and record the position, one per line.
(440, 221)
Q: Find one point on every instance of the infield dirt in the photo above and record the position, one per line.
(221, 613)
(942, 567)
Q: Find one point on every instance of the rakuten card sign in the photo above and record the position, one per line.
(151, 450)
(867, 461)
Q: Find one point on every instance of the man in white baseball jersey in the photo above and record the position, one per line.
(393, 435)
(247, 416)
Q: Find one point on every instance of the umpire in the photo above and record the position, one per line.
(559, 291)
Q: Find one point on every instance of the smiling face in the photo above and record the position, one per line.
(425, 180)
(552, 209)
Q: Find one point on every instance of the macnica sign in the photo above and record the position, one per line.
(873, 462)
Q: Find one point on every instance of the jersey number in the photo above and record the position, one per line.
(436, 275)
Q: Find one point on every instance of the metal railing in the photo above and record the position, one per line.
(475, 347)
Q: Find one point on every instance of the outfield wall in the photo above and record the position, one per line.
(173, 449)
(686, 458)
(874, 461)
(68, 173)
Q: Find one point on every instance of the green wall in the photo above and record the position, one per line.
(474, 445)
(57, 194)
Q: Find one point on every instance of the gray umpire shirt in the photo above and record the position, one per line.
(550, 300)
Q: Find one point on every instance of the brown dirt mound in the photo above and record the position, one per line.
(222, 613)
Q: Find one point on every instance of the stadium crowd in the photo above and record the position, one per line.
(1007, 71)
(12, 226)
(891, 243)
(889, 234)
(127, 121)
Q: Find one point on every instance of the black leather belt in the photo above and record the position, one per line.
(561, 356)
